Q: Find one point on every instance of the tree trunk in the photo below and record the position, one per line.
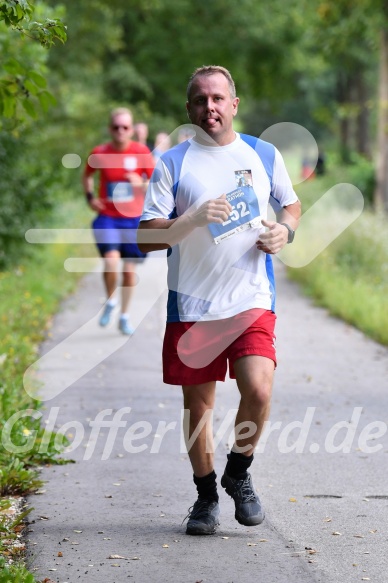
(380, 198)
(343, 98)
(362, 128)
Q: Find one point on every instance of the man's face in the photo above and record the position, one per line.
(212, 108)
(121, 129)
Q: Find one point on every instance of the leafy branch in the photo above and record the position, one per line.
(20, 84)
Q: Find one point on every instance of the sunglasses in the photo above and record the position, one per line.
(116, 127)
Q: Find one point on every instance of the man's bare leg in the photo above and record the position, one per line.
(254, 375)
(111, 262)
(198, 403)
(198, 424)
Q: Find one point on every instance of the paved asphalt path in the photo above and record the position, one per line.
(131, 485)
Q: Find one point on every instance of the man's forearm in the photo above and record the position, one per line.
(290, 214)
(159, 234)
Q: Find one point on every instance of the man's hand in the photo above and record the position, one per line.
(134, 178)
(96, 204)
(216, 210)
(273, 240)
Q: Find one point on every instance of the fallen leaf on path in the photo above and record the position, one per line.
(336, 533)
(225, 537)
(358, 536)
(327, 519)
(60, 554)
(77, 531)
(292, 500)
(263, 540)
(135, 558)
(165, 546)
(116, 557)
(252, 544)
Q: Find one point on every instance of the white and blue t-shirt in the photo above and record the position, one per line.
(216, 271)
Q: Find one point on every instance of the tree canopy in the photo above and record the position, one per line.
(313, 62)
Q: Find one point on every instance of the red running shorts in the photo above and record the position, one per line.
(199, 352)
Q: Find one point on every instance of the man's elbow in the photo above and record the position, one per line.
(142, 245)
(150, 239)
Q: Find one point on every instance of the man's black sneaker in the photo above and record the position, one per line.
(248, 507)
(203, 517)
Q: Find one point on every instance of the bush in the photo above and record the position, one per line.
(29, 187)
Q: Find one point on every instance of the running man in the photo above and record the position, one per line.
(221, 287)
(123, 166)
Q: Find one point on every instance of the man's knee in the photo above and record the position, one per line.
(258, 394)
(111, 261)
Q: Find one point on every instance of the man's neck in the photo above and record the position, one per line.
(206, 140)
(120, 147)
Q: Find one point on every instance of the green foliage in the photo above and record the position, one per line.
(15, 574)
(28, 302)
(22, 83)
(29, 187)
(18, 14)
(14, 11)
(350, 277)
(362, 174)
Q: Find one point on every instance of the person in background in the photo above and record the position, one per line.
(141, 133)
(185, 133)
(122, 165)
(221, 300)
(162, 144)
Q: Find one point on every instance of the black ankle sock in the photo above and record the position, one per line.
(207, 486)
(237, 464)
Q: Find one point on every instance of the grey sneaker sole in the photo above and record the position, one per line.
(253, 521)
(201, 529)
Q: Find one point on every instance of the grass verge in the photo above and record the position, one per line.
(31, 293)
(350, 277)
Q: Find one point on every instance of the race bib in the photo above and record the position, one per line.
(130, 163)
(245, 214)
(120, 191)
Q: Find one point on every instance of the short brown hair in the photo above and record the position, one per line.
(211, 70)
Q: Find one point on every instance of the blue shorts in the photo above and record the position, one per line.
(117, 234)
